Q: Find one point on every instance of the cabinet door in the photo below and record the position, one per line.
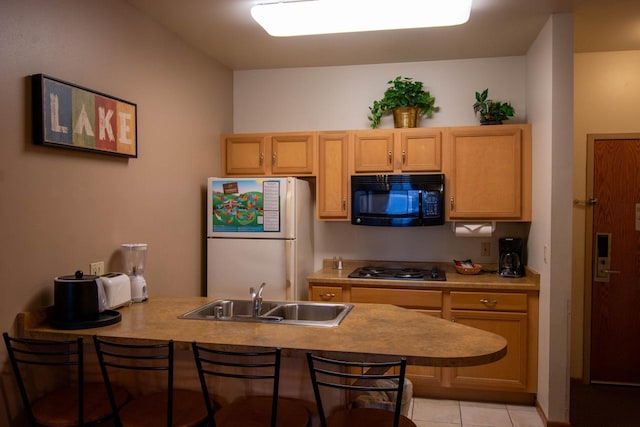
(243, 155)
(485, 180)
(333, 177)
(508, 373)
(373, 151)
(292, 154)
(421, 150)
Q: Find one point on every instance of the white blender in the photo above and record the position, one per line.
(134, 256)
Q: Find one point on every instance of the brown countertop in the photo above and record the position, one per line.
(380, 331)
(455, 280)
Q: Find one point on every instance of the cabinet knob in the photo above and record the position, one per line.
(389, 156)
(327, 296)
(273, 158)
(344, 203)
(451, 202)
(404, 157)
(487, 301)
(261, 158)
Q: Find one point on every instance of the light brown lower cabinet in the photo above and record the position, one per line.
(511, 314)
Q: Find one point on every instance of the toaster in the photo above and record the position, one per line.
(117, 289)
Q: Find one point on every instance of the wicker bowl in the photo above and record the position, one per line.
(469, 270)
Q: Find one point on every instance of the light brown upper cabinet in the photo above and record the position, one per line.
(286, 154)
(397, 150)
(332, 183)
(488, 172)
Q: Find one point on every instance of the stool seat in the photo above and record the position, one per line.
(375, 379)
(366, 417)
(60, 408)
(151, 409)
(256, 412)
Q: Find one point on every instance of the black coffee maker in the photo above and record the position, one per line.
(511, 263)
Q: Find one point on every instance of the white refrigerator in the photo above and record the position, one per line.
(259, 230)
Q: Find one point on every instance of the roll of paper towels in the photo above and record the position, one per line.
(466, 229)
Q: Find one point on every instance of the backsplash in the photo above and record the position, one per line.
(436, 243)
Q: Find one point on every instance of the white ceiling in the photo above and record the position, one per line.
(224, 30)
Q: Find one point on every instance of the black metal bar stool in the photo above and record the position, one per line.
(263, 411)
(170, 407)
(360, 377)
(77, 403)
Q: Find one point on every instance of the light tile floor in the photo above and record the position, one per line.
(453, 413)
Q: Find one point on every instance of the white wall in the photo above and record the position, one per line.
(550, 110)
(332, 98)
(62, 209)
(325, 98)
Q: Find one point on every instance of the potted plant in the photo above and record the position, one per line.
(491, 112)
(407, 99)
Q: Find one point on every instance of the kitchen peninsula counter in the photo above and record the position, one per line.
(380, 331)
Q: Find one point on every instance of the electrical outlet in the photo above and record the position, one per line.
(96, 268)
(485, 248)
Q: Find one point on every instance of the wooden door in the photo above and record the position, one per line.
(292, 154)
(243, 155)
(508, 373)
(333, 177)
(615, 290)
(486, 172)
(373, 151)
(421, 150)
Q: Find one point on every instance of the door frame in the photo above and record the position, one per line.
(588, 246)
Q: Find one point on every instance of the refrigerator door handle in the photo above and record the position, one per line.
(290, 209)
(288, 270)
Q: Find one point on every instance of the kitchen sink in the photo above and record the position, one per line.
(309, 312)
(224, 308)
(287, 313)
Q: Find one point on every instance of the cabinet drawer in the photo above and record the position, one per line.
(326, 293)
(488, 301)
(402, 297)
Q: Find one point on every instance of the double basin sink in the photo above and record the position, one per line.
(288, 313)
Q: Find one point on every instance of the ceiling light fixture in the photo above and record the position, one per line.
(305, 17)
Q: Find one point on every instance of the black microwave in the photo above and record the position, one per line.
(397, 200)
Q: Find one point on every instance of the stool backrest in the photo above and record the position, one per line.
(45, 353)
(137, 357)
(256, 365)
(357, 376)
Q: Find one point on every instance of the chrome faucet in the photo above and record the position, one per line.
(256, 299)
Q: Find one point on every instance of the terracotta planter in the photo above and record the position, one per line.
(405, 117)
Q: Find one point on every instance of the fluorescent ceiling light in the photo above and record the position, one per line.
(304, 17)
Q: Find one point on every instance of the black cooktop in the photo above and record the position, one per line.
(399, 273)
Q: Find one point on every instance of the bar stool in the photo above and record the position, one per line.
(367, 377)
(171, 407)
(77, 403)
(251, 411)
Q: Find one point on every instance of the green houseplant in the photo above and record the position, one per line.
(491, 112)
(408, 98)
